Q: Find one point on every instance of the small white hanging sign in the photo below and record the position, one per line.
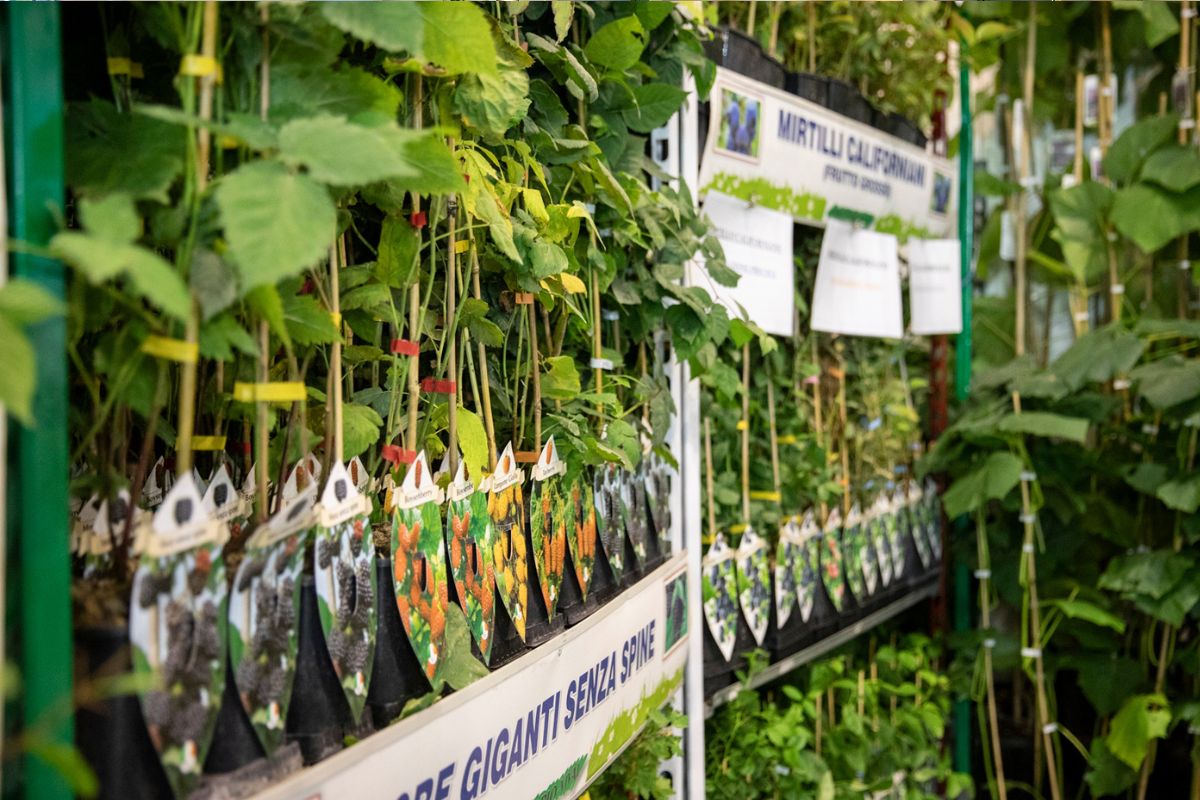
(418, 486)
(934, 286)
(858, 283)
(341, 499)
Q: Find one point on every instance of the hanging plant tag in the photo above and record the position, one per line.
(895, 525)
(879, 540)
(419, 565)
(808, 565)
(631, 499)
(582, 536)
(852, 539)
(152, 489)
(788, 552)
(264, 614)
(605, 484)
(656, 481)
(550, 513)
(177, 630)
(223, 502)
(754, 583)
(832, 568)
(359, 475)
(506, 507)
(916, 513)
(306, 471)
(719, 593)
(346, 583)
(471, 534)
(933, 518)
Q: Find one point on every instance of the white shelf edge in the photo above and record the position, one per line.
(820, 648)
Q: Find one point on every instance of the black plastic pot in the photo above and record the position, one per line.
(719, 673)
(900, 127)
(571, 605)
(814, 88)
(742, 54)
(845, 100)
(539, 627)
(604, 585)
(508, 644)
(318, 715)
(112, 734)
(397, 676)
(234, 744)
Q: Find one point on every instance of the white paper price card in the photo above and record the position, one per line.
(934, 286)
(758, 246)
(858, 283)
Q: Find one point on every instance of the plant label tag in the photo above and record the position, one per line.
(418, 486)
(341, 499)
(720, 587)
(758, 246)
(548, 465)
(181, 523)
(109, 523)
(359, 475)
(808, 566)
(152, 490)
(934, 286)
(754, 583)
(1008, 237)
(461, 487)
(787, 552)
(1091, 100)
(507, 472)
(221, 499)
(298, 515)
(857, 290)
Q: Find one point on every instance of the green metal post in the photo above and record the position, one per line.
(962, 379)
(38, 478)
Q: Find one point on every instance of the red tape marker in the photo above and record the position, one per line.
(417, 219)
(432, 386)
(406, 347)
(397, 455)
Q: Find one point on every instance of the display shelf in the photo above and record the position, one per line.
(826, 645)
(584, 694)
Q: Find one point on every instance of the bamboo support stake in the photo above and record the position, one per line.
(1079, 295)
(414, 309)
(335, 357)
(811, 8)
(1106, 89)
(485, 401)
(262, 443)
(187, 372)
(452, 321)
(818, 718)
(985, 622)
(535, 370)
(745, 426)
(843, 443)
(818, 423)
(753, 18)
(774, 440)
(1183, 276)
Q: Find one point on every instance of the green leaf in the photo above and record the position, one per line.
(560, 380)
(437, 172)
(993, 479)
(23, 302)
(617, 45)
(1160, 22)
(1042, 423)
(1145, 477)
(1168, 382)
(1080, 609)
(247, 129)
(265, 303)
(481, 201)
(308, 322)
(108, 151)
(460, 668)
(277, 223)
(652, 13)
(1153, 574)
(396, 264)
(654, 103)
(100, 260)
(472, 440)
(1107, 775)
(367, 296)
(341, 153)
(18, 377)
(1151, 217)
(454, 36)
(221, 336)
(485, 331)
(1181, 494)
(1080, 215)
(1099, 356)
(1174, 167)
(493, 103)
(360, 429)
(302, 90)
(213, 281)
(1143, 718)
(563, 12)
(1138, 141)
(112, 218)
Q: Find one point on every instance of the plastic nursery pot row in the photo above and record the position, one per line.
(295, 684)
(819, 580)
(743, 54)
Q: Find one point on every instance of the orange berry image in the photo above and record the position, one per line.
(437, 623)
(443, 592)
(400, 565)
(456, 552)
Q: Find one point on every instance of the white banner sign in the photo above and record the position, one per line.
(786, 153)
(934, 286)
(857, 290)
(758, 246)
(540, 728)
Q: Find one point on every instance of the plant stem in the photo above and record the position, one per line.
(744, 424)
(485, 392)
(451, 320)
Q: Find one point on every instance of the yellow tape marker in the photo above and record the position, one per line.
(787, 439)
(462, 246)
(171, 349)
(743, 425)
(279, 392)
(336, 316)
(739, 528)
(208, 442)
(197, 66)
(772, 496)
(121, 65)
